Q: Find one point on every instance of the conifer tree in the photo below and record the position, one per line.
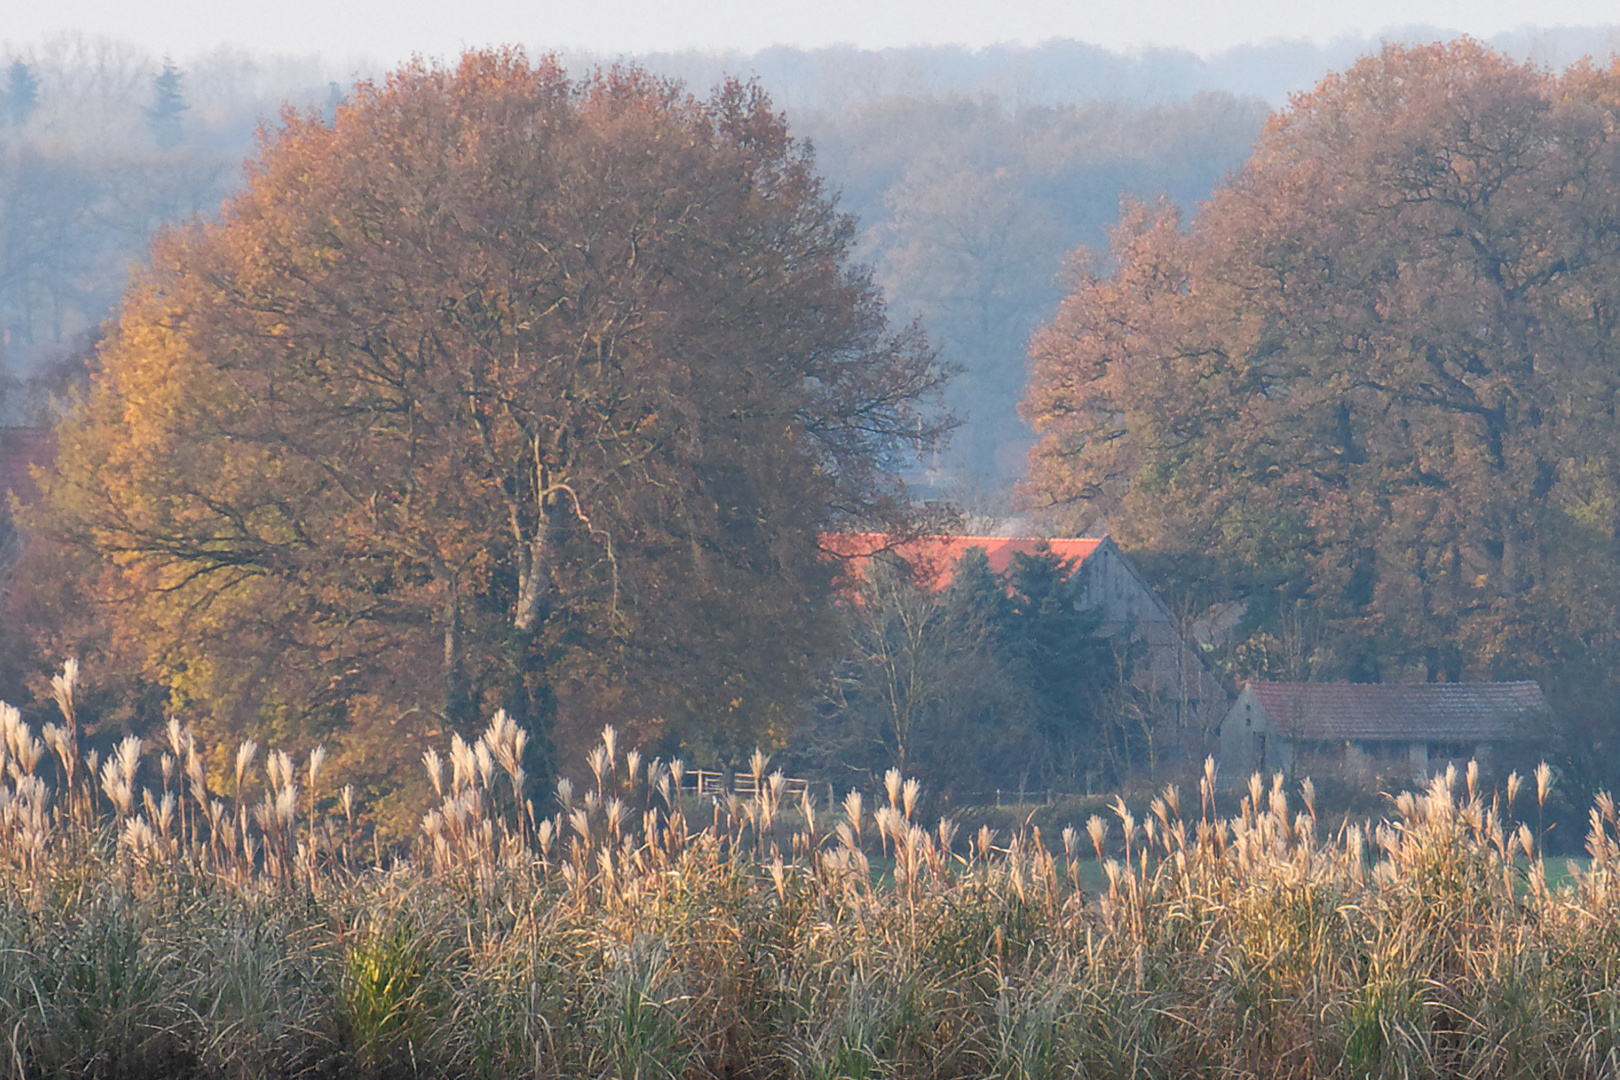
(1066, 663)
(163, 116)
(22, 93)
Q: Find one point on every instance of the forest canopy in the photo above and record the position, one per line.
(1370, 387)
(501, 389)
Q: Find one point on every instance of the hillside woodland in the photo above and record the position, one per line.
(968, 193)
(100, 146)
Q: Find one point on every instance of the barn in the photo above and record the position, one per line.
(1407, 730)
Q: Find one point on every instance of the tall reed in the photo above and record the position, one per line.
(151, 926)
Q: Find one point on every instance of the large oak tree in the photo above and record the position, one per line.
(503, 389)
(1376, 377)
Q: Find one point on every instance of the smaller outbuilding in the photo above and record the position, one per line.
(1377, 728)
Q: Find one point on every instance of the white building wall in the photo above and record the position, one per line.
(1184, 693)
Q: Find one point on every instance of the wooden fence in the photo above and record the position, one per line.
(713, 784)
(709, 784)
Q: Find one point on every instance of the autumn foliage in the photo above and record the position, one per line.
(1371, 386)
(502, 390)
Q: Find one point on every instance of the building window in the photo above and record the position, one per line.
(1381, 750)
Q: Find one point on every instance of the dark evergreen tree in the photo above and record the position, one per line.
(168, 106)
(22, 93)
(1069, 666)
(924, 684)
(335, 97)
(977, 595)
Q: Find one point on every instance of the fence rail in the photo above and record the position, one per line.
(709, 783)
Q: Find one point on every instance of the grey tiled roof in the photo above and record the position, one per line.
(1441, 711)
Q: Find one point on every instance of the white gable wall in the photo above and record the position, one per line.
(1187, 697)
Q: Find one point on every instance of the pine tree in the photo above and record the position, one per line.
(22, 93)
(977, 595)
(1067, 663)
(168, 105)
(335, 97)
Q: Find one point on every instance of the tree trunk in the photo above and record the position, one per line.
(534, 569)
(458, 701)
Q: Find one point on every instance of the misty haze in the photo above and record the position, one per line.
(1031, 560)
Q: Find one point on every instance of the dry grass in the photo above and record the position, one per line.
(151, 927)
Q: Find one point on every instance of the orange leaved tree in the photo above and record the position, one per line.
(502, 390)
(1375, 379)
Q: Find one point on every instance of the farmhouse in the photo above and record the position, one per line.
(1408, 730)
(1185, 695)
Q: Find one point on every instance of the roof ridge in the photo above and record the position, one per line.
(978, 536)
(1346, 683)
(1346, 710)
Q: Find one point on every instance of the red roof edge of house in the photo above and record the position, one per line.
(935, 557)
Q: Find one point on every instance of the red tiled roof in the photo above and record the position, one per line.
(935, 557)
(1441, 711)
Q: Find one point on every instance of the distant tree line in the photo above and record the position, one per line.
(967, 203)
(969, 210)
(101, 145)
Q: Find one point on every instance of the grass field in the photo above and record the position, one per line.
(156, 929)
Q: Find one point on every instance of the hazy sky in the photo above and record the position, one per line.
(388, 30)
